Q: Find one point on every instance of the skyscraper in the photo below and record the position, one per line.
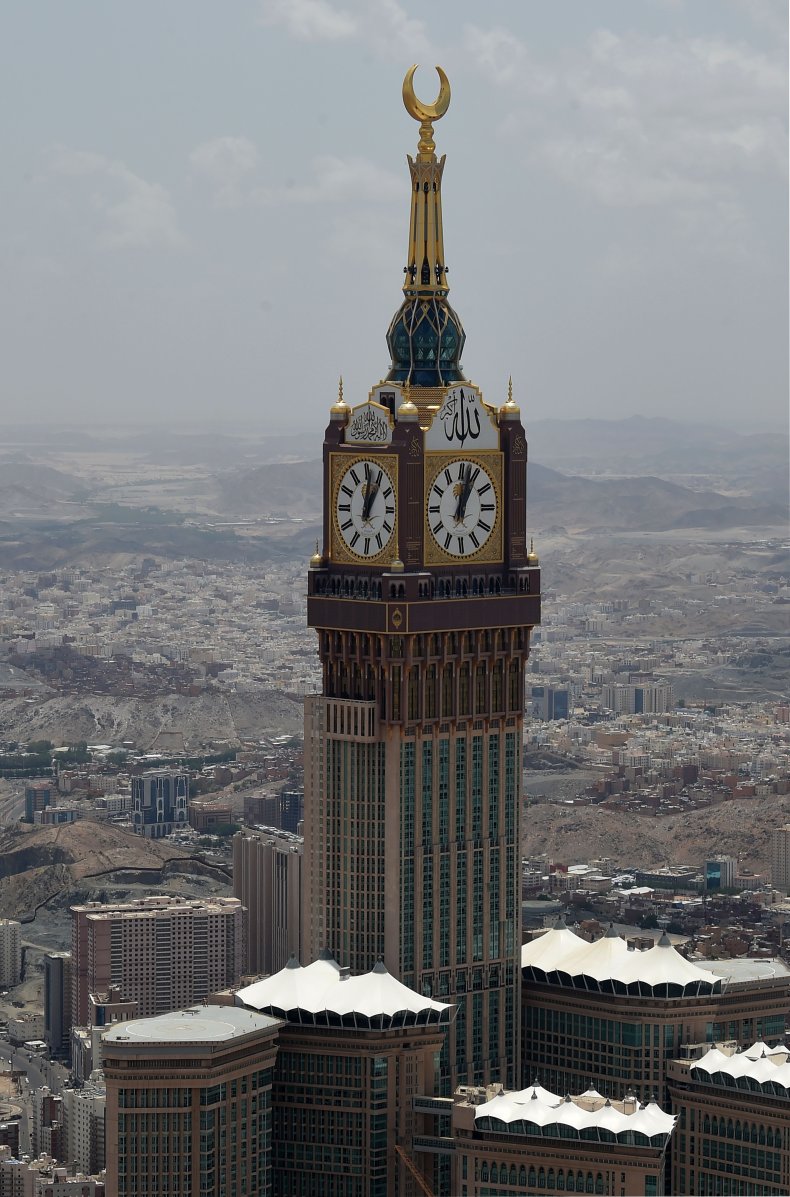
(424, 595)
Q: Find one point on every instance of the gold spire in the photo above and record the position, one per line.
(425, 270)
(317, 560)
(340, 408)
(510, 410)
(408, 411)
(532, 556)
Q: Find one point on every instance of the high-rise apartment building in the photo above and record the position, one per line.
(162, 952)
(643, 698)
(10, 953)
(160, 802)
(267, 880)
(424, 595)
(57, 1002)
(780, 859)
(38, 796)
(189, 1103)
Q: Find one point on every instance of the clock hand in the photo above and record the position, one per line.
(460, 502)
(372, 490)
(463, 498)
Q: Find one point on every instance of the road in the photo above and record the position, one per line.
(12, 806)
(39, 1072)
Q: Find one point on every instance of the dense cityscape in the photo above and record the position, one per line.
(449, 858)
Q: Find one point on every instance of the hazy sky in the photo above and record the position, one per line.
(204, 205)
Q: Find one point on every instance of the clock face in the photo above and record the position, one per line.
(365, 508)
(462, 508)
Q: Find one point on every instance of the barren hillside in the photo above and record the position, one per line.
(740, 828)
(204, 719)
(36, 863)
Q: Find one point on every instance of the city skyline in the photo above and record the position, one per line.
(641, 157)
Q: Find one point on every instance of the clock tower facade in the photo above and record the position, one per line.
(424, 596)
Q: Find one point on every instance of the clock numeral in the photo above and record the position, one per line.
(344, 506)
(488, 506)
(437, 528)
(434, 509)
(448, 477)
(387, 526)
(460, 544)
(482, 524)
(461, 469)
(378, 539)
(485, 487)
(474, 540)
(348, 524)
(387, 492)
(367, 469)
(367, 545)
(438, 490)
(354, 539)
(389, 510)
(354, 476)
(447, 540)
(473, 475)
(347, 490)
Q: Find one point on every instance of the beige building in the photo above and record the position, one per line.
(733, 1120)
(780, 860)
(534, 1141)
(189, 1103)
(44, 1177)
(267, 880)
(162, 952)
(10, 953)
(82, 1133)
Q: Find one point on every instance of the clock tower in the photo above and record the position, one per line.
(424, 595)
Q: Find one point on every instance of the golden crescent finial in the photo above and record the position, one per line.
(416, 108)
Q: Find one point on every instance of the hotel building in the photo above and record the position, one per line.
(535, 1141)
(189, 1104)
(423, 593)
(733, 1121)
(356, 1057)
(605, 1012)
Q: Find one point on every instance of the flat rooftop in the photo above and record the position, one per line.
(197, 1024)
(745, 969)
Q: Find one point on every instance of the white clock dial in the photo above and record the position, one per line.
(462, 508)
(365, 508)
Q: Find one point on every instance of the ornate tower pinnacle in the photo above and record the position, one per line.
(425, 337)
(426, 272)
